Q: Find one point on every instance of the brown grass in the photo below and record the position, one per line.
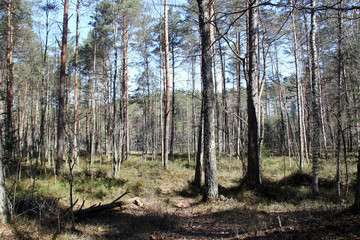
(283, 208)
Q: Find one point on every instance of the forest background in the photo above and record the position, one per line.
(233, 83)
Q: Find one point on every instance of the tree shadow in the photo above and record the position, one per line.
(236, 223)
(293, 189)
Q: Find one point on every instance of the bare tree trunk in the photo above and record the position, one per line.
(254, 163)
(356, 205)
(61, 121)
(4, 212)
(167, 91)
(298, 94)
(115, 127)
(9, 124)
(199, 153)
(75, 145)
(339, 106)
(225, 105)
(239, 144)
(125, 89)
(211, 179)
(193, 114)
(93, 113)
(172, 131)
(217, 108)
(315, 99)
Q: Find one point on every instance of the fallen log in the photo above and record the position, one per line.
(99, 207)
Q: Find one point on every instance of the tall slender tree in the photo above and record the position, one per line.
(61, 110)
(4, 216)
(298, 90)
(211, 178)
(315, 99)
(254, 161)
(167, 88)
(9, 125)
(76, 118)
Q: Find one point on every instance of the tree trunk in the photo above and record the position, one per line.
(61, 120)
(217, 108)
(254, 163)
(199, 153)
(239, 144)
(9, 125)
(172, 133)
(315, 99)
(225, 106)
(115, 155)
(75, 147)
(298, 93)
(211, 179)
(93, 113)
(4, 216)
(125, 89)
(356, 205)
(339, 106)
(167, 91)
(193, 114)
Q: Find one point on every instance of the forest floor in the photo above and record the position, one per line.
(171, 208)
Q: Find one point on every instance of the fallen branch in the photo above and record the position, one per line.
(99, 208)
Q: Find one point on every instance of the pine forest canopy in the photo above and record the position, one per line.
(252, 77)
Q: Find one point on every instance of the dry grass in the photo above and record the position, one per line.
(284, 208)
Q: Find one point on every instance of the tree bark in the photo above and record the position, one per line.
(254, 162)
(75, 148)
(125, 89)
(226, 131)
(315, 99)
(356, 205)
(167, 90)
(4, 216)
(172, 131)
(211, 179)
(199, 153)
(61, 120)
(217, 107)
(298, 93)
(9, 123)
(339, 106)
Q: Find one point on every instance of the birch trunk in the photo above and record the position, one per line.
(315, 99)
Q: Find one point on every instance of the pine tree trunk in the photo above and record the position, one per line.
(61, 113)
(125, 92)
(115, 155)
(172, 133)
(9, 125)
(199, 153)
(167, 90)
(93, 113)
(75, 147)
(211, 179)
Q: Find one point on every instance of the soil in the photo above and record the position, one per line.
(226, 218)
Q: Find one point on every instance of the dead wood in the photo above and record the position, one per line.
(103, 207)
